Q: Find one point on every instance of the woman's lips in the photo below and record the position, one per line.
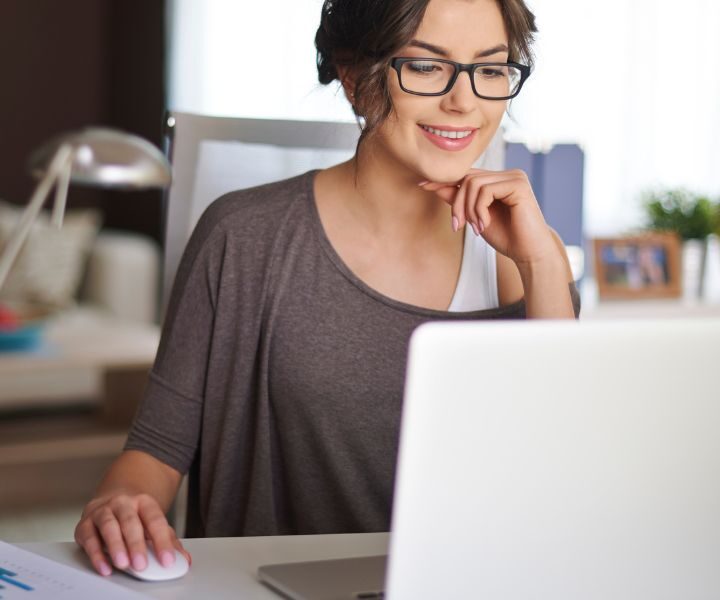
(450, 144)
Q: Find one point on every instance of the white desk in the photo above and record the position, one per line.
(667, 308)
(227, 567)
(648, 309)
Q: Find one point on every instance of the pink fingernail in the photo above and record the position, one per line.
(167, 559)
(474, 228)
(481, 227)
(121, 560)
(105, 569)
(455, 224)
(139, 562)
(423, 183)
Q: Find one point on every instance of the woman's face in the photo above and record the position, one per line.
(466, 31)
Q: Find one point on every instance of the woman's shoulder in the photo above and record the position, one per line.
(254, 207)
(247, 222)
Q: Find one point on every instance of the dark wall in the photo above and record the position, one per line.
(67, 64)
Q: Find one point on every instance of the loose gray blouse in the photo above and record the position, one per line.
(279, 378)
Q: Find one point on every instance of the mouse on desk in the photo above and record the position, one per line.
(154, 571)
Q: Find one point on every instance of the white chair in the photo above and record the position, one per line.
(214, 155)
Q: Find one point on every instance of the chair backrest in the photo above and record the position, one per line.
(214, 155)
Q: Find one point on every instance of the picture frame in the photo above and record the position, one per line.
(638, 267)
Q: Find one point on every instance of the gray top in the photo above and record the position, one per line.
(279, 378)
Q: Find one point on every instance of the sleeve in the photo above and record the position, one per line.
(168, 420)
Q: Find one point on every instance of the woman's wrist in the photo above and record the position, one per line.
(551, 265)
(546, 287)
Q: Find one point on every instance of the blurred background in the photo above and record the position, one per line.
(634, 85)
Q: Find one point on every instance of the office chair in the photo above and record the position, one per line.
(214, 155)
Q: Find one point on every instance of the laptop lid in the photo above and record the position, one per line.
(559, 460)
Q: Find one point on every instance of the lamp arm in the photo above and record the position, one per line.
(61, 163)
(61, 192)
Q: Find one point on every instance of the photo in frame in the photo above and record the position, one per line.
(638, 267)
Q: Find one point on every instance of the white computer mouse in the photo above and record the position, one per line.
(156, 572)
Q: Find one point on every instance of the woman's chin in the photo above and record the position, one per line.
(446, 173)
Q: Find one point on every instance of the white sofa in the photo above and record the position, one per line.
(121, 287)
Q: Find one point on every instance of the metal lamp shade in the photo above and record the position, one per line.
(107, 158)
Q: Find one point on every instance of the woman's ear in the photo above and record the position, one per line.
(348, 81)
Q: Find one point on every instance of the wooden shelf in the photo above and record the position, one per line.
(54, 459)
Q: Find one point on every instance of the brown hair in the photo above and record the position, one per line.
(365, 34)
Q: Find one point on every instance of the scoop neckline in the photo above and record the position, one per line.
(346, 272)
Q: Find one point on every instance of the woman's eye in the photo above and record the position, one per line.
(423, 67)
(491, 73)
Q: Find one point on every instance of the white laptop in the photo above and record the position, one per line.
(550, 460)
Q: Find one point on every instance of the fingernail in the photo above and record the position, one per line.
(121, 560)
(167, 559)
(105, 569)
(139, 562)
(481, 227)
(423, 183)
(474, 228)
(455, 224)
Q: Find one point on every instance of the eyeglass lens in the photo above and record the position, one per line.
(433, 77)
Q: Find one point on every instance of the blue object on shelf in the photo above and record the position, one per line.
(557, 178)
(26, 337)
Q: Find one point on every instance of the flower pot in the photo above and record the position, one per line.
(693, 266)
(711, 274)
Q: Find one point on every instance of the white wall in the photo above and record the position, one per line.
(635, 82)
(251, 59)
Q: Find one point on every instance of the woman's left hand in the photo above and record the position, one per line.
(502, 207)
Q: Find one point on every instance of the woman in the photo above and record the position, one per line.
(278, 382)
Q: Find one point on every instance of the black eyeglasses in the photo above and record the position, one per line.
(436, 76)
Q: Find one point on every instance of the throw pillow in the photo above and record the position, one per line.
(51, 264)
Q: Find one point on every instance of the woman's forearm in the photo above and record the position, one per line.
(547, 293)
(135, 472)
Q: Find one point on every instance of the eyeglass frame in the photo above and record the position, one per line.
(398, 61)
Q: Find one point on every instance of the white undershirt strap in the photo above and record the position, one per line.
(477, 285)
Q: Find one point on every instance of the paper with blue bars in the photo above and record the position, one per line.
(28, 576)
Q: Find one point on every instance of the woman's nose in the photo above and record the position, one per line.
(461, 97)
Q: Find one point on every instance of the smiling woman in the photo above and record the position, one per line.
(347, 38)
(279, 380)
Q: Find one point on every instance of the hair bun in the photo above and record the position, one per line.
(325, 67)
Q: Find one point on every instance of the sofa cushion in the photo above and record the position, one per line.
(50, 266)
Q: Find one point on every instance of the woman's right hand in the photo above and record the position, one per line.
(122, 524)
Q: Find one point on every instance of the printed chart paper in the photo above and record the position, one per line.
(28, 576)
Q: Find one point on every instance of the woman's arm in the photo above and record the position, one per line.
(547, 295)
(544, 288)
(129, 507)
(501, 206)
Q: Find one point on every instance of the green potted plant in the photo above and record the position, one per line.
(693, 217)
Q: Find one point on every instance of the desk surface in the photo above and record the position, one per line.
(227, 567)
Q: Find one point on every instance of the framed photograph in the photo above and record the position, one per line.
(643, 266)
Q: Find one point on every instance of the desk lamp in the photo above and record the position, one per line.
(95, 157)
